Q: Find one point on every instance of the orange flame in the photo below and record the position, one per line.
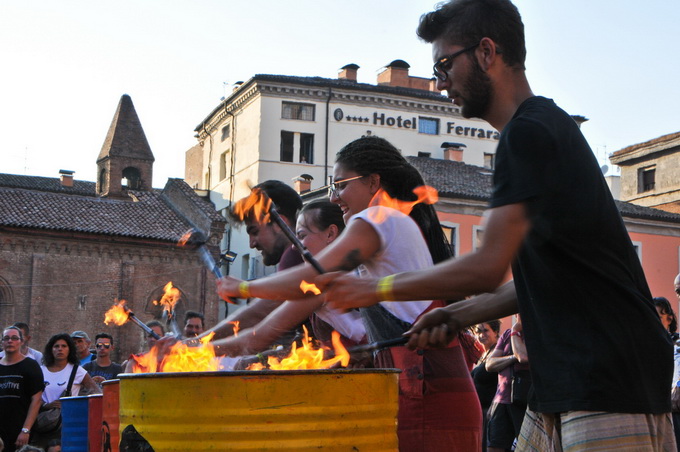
(424, 193)
(306, 287)
(256, 206)
(181, 358)
(308, 357)
(118, 314)
(185, 238)
(236, 327)
(170, 297)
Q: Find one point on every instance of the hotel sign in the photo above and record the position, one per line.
(411, 123)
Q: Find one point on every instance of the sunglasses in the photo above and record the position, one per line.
(104, 345)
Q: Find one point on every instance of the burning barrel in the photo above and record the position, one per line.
(339, 410)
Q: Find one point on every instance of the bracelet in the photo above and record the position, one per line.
(244, 289)
(384, 288)
(516, 333)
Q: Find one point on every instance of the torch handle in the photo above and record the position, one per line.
(306, 255)
(209, 262)
(149, 331)
(378, 345)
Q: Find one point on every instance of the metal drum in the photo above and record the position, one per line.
(308, 410)
(74, 421)
(109, 434)
(94, 422)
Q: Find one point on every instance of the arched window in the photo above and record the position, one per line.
(103, 186)
(132, 178)
(152, 307)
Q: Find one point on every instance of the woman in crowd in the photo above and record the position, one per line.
(438, 406)
(486, 382)
(667, 316)
(59, 359)
(21, 386)
(318, 225)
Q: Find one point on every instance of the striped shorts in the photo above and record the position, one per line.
(576, 431)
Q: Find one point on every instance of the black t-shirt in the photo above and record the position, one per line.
(592, 333)
(18, 383)
(109, 372)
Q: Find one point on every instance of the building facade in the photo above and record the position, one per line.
(69, 248)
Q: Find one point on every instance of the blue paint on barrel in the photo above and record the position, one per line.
(74, 418)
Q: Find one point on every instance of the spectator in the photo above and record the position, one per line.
(82, 342)
(21, 387)
(486, 382)
(510, 360)
(157, 328)
(102, 368)
(667, 316)
(194, 324)
(25, 349)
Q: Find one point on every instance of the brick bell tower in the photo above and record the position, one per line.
(125, 161)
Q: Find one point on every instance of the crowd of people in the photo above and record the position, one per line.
(570, 374)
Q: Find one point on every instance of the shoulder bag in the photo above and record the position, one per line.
(50, 420)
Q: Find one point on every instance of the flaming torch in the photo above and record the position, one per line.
(194, 236)
(119, 314)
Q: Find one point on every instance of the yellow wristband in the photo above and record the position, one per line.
(384, 288)
(244, 289)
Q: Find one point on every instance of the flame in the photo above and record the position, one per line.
(306, 287)
(256, 205)
(424, 193)
(185, 238)
(170, 297)
(236, 327)
(181, 358)
(308, 356)
(118, 314)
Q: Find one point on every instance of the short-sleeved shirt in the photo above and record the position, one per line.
(591, 330)
(18, 383)
(108, 373)
(56, 382)
(504, 388)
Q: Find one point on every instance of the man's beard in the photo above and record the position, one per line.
(274, 257)
(478, 90)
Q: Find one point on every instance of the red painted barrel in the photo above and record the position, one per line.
(94, 423)
(109, 434)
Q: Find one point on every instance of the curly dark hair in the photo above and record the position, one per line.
(375, 155)
(48, 357)
(665, 305)
(466, 22)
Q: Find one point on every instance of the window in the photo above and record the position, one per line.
(429, 126)
(294, 110)
(306, 148)
(287, 146)
(477, 237)
(638, 249)
(224, 164)
(489, 161)
(132, 178)
(646, 179)
(451, 234)
(226, 132)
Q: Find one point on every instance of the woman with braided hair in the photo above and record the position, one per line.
(438, 405)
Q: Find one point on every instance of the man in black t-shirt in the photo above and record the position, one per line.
(102, 368)
(600, 357)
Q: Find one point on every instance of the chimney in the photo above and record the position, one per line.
(453, 151)
(302, 183)
(579, 119)
(348, 72)
(66, 178)
(395, 74)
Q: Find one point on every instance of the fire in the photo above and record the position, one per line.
(255, 205)
(181, 358)
(307, 287)
(308, 356)
(185, 238)
(236, 324)
(424, 193)
(118, 314)
(170, 297)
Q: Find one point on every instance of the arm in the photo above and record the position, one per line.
(90, 386)
(247, 316)
(519, 348)
(262, 335)
(33, 408)
(497, 362)
(440, 326)
(475, 273)
(358, 243)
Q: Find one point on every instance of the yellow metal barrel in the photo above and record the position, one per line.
(330, 410)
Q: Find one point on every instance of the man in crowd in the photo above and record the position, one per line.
(194, 324)
(25, 349)
(83, 342)
(102, 368)
(579, 284)
(271, 241)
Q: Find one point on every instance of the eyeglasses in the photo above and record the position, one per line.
(11, 338)
(104, 345)
(443, 65)
(334, 187)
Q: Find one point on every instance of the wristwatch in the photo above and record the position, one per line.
(25, 430)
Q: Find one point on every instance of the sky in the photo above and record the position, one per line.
(65, 65)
